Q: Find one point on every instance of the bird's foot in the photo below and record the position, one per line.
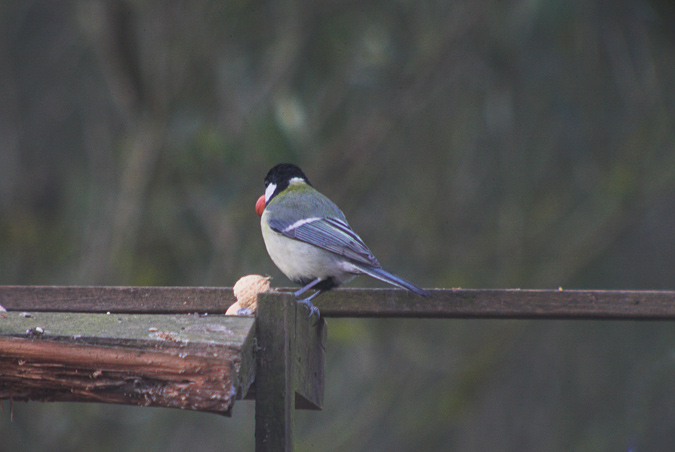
(312, 309)
(308, 301)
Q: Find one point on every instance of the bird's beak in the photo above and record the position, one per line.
(260, 205)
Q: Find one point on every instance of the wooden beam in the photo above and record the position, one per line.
(177, 361)
(445, 303)
(156, 300)
(499, 303)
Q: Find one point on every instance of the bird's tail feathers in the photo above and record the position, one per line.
(390, 278)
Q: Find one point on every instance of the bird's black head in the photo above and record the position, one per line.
(279, 177)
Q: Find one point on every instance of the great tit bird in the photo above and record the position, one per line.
(309, 240)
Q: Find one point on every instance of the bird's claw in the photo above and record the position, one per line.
(312, 309)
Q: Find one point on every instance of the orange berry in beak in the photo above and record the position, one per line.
(260, 205)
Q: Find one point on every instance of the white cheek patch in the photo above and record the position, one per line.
(269, 191)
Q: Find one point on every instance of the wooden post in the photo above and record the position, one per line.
(274, 380)
(290, 368)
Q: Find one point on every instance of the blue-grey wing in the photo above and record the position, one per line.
(331, 234)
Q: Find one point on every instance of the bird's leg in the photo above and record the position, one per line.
(307, 287)
(308, 301)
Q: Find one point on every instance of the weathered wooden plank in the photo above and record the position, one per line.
(498, 303)
(156, 300)
(197, 330)
(179, 361)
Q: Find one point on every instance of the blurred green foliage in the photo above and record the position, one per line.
(470, 143)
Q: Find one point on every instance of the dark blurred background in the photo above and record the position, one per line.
(475, 144)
